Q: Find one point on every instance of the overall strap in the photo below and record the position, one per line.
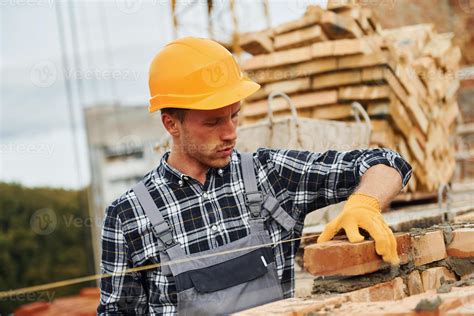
(168, 247)
(253, 197)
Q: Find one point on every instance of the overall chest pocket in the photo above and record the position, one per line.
(230, 286)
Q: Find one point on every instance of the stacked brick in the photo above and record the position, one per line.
(404, 78)
(459, 301)
(436, 276)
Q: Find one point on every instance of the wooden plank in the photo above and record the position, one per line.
(416, 149)
(410, 80)
(451, 90)
(336, 79)
(365, 60)
(435, 138)
(366, 22)
(396, 86)
(304, 69)
(452, 59)
(400, 117)
(337, 27)
(256, 43)
(382, 134)
(417, 114)
(318, 50)
(333, 112)
(374, 74)
(409, 102)
(306, 100)
(451, 112)
(411, 39)
(439, 46)
(299, 38)
(290, 56)
(312, 17)
(379, 109)
(420, 137)
(345, 47)
(405, 153)
(341, 5)
(322, 49)
(361, 17)
(286, 86)
(363, 92)
(365, 45)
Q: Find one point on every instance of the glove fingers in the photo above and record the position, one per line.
(329, 232)
(386, 245)
(352, 232)
(394, 259)
(377, 231)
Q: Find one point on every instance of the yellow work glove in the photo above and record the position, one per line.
(363, 211)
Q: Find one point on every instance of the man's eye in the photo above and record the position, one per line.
(213, 123)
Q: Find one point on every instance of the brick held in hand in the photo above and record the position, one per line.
(342, 258)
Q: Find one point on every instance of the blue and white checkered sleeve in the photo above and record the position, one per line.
(315, 180)
(119, 292)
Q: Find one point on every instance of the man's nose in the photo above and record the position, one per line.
(229, 131)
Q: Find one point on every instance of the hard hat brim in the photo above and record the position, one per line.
(223, 97)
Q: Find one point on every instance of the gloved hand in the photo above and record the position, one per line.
(363, 211)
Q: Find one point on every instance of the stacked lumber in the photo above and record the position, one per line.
(405, 78)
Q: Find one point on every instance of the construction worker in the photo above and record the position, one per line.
(222, 227)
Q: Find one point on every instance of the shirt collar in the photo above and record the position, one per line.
(175, 176)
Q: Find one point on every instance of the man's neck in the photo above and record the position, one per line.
(187, 165)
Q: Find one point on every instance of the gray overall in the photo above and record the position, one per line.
(236, 276)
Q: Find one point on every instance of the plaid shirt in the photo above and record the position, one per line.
(211, 215)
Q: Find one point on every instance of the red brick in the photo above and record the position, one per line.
(462, 245)
(451, 301)
(343, 258)
(340, 305)
(32, 308)
(294, 306)
(414, 283)
(464, 310)
(431, 278)
(391, 290)
(428, 247)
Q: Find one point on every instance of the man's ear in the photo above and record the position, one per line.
(171, 124)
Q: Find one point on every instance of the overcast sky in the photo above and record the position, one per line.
(117, 40)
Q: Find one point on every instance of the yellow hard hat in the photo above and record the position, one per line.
(196, 73)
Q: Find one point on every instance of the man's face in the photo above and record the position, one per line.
(209, 136)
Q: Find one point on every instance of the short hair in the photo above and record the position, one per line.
(176, 112)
